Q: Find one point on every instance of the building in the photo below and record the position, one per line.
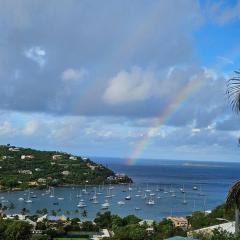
(208, 231)
(65, 173)
(27, 156)
(73, 158)
(42, 180)
(29, 172)
(179, 222)
(14, 149)
(57, 157)
(104, 234)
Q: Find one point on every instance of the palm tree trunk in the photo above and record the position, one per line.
(236, 221)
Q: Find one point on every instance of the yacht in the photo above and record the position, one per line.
(28, 200)
(137, 208)
(60, 198)
(184, 199)
(150, 202)
(52, 192)
(105, 205)
(195, 188)
(121, 203)
(128, 197)
(21, 199)
(81, 205)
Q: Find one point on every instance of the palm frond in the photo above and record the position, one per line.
(233, 92)
(233, 198)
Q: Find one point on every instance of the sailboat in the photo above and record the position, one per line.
(165, 190)
(121, 203)
(105, 205)
(201, 192)
(184, 198)
(52, 192)
(95, 201)
(148, 190)
(150, 202)
(99, 190)
(182, 189)
(28, 200)
(81, 204)
(129, 196)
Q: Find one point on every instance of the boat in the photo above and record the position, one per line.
(147, 190)
(105, 205)
(28, 200)
(55, 203)
(20, 199)
(195, 188)
(128, 197)
(152, 194)
(60, 198)
(158, 196)
(137, 208)
(137, 195)
(150, 202)
(184, 199)
(34, 196)
(182, 189)
(51, 192)
(121, 203)
(81, 205)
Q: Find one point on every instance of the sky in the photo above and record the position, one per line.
(111, 78)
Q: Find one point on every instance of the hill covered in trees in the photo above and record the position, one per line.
(21, 168)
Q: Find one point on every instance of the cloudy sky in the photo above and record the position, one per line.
(96, 77)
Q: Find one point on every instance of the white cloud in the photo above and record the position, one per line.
(37, 54)
(225, 60)
(71, 74)
(135, 85)
(6, 128)
(221, 13)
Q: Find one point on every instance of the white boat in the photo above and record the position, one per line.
(81, 205)
(60, 198)
(137, 195)
(105, 205)
(20, 199)
(121, 203)
(152, 194)
(51, 192)
(137, 208)
(195, 188)
(28, 200)
(158, 196)
(182, 189)
(150, 202)
(184, 199)
(95, 201)
(128, 197)
(148, 190)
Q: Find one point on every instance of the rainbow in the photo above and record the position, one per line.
(177, 102)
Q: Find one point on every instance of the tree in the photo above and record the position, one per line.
(233, 91)
(233, 198)
(18, 230)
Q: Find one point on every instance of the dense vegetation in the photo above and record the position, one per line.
(49, 168)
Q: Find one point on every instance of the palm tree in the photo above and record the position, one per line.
(233, 198)
(233, 91)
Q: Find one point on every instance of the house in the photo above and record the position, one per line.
(56, 157)
(33, 183)
(73, 158)
(92, 167)
(180, 238)
(7, 157)
(14, 149)
(65, 173)
(42, 180)
(179, 222)
(27, 156)
(104, 234)
(208, 231)
(29, 172)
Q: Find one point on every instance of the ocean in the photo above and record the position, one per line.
(205, 185)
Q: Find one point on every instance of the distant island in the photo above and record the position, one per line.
(22, 168)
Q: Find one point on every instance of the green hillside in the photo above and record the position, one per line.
(22, 168)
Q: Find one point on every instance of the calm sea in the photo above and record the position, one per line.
(212, 181)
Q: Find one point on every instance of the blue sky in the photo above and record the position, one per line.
(92, 77)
